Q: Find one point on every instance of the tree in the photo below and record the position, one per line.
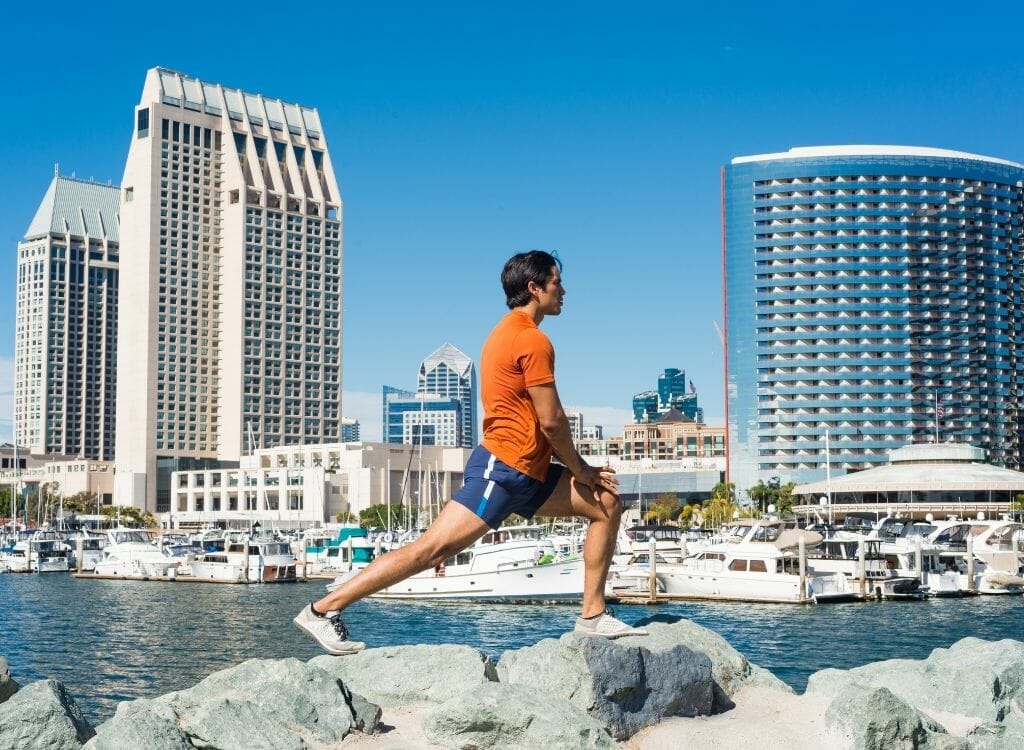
(718, 510)
(760, 495)
(81, 502)
(664, 507)
(130, 515)
(377, 516)
(784, 499)
(691, 515)
(725, 491)
(346, 517)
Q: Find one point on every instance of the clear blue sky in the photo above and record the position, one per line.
(464, 132)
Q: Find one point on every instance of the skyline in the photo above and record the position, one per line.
(463, 135)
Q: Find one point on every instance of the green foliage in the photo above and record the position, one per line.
(130, 515)
(718, 510)
(724, 491)
(346, 517)
(377, 516)
(781, 496)
(81, 502)
(664, 507)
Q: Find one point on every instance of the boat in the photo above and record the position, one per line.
(633, 577)
(759, 562)
(513, 564)
(863, 564)
(39, 552)
(349, 548)
(994, 565)
(245, 560)
(92, 550)
(132, 553)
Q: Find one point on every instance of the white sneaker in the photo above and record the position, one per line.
(606, 626)
(329, 631)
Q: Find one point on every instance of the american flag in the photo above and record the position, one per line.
(940, 411)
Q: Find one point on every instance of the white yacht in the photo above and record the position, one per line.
(874, 577)
(92, 550)
(996, 553)
(247, 561)
(40, 552)
(758, 563)
(132, 553)
(510, 564)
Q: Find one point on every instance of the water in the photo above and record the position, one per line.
(110, 641)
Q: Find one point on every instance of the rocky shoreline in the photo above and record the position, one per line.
(681, 686)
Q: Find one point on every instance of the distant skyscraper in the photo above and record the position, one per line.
(449, 373)
(66, 322)
(421, 418)
(230, 295)
(575, 425)
(672, 393)
(873, 296)
(349, 430)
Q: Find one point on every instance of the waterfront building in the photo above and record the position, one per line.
(672, 393)
(592, 432)
(66, 475)
(673, 436)
(230, 333)
(937, 479)
(65, 343)
(421, 418)
(449, 373)
(575, 425)
(314, 485)
(349, 430)
(872, 300)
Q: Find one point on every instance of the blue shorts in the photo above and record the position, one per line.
(494, 490)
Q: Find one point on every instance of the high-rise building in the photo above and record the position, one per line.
(672, 393)
(66, 322)
(872, 299)
(421, 418)
(230, 333)
(349, 430)
(450, 373)
(575, 425)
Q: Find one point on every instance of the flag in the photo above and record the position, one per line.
(940, 412)
(693, 388)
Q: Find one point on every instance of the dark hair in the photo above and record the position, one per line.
(523, 268)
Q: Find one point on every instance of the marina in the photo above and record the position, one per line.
(141, 639)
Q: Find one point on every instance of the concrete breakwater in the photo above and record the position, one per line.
(681, 686)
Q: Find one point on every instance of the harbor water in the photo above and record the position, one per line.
(110, 641)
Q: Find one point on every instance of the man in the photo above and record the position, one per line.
(510, 471)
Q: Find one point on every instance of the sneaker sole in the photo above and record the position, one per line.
(611, 636)
(329, 649)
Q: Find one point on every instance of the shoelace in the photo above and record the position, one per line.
(339, 628)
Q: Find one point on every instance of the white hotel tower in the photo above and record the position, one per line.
(230, 298)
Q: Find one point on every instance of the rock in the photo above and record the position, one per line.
(875, 719)
(43, 715)
(402, 675)
(8, 685)
(510, 717)
(142, 723)
(731, 669)
(620, 683)
(258, 704)
(1005, 735)
(973, 678)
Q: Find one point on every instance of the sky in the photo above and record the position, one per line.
(463, 132)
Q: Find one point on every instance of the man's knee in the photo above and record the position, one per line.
(433, 552)
(609, 506)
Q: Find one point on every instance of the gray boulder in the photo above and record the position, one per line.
(1007, 734)
(43, 715)
(875, 719)
(973, 678)
(258, 704)
(731, 669)
(620, 683)
(401, 675)
(510, 717)
(8, 685)
(141, 723)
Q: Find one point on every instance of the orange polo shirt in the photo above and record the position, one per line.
(516, 356)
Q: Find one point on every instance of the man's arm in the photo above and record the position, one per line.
(555, 426)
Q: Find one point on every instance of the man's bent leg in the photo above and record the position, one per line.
(604, 511)
(455, 528)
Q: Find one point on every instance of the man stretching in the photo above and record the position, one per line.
(510, 471)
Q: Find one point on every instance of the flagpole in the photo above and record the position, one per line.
(936, 417)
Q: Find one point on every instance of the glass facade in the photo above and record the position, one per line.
(872, 300)
(421, 418)
(449, 373)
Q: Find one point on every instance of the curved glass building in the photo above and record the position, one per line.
(872, 299)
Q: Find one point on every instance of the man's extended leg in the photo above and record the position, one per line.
(455, 528)
(604, 511)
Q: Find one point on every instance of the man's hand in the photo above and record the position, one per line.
(602, 478)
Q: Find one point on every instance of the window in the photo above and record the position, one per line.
(142, 121)
(129, 194)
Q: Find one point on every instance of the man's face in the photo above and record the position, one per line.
(550, 297)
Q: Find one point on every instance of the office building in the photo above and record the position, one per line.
(872, 300)
(349, 430)
(230, 332)
(66, 322)
(672, 393)
(421, 418)
(575, 425)
(449, 373)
